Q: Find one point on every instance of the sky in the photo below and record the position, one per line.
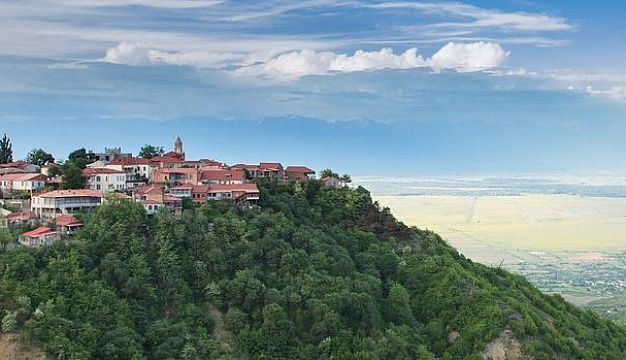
(369, 87)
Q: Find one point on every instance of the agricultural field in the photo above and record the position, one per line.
(567, 244)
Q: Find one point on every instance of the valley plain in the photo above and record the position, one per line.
(572, 245)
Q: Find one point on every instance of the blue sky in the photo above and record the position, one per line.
(369, 87)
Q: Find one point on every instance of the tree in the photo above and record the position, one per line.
(81, 158)
(54, 171)
(345, 179)
(72, 176)
(150, 151)
(328, 173)
(6, 150)
(5, 238)
(398, 306)
(277, 332)
(39, 157)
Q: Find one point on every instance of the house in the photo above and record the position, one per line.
(172, 177)
(299, 173)
(21, 218)
(97, 164)
(18, 166)
(22, 181)
(238, 193)
(331, 181)
(183, 191)
(49, 205)
(150, 192)
(168, 160)
(200, 194)
(173, 203)
(153, 198)
(111, 154)
(221, 176)
(105, 179)
(138, 170)
(10, 170)
(67, 224)
(38, 237)
(152, 206)
(272, 170)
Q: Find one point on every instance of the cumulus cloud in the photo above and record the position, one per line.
(460, 57)
(469, 57)
(294, 65)
(136, 54)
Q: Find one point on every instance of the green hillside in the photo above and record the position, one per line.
(314, 273)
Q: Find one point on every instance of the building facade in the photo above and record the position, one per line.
(105, 179)
(49, 205)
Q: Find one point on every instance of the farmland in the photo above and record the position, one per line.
(567, 244)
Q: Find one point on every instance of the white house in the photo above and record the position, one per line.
(22, 181)
(38, 237)
(138, 170)
(53, 203)
(104, 179)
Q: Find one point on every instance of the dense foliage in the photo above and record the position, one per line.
(150, 151)
(39, 157)
(314, 273)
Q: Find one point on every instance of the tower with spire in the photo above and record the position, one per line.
(178, 147)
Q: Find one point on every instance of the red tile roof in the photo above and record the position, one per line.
(300, 169)
(274, 166)
(131, 161)
(16, 164)
(71, 193)
(40, 231)
(180, 170)
(170, 157)
(67, 220)
(97, 171)
(21, 216)
(23, 177)
(202, 189)
(221, 175)
(149, 190)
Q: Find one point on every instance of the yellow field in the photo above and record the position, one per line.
(494, 228)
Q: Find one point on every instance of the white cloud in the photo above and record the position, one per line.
(483, 18)
(135, 54)
(469, 57)
(460, 57)
(612, 92)
(606, 85)
(168, 4)
(266, 12)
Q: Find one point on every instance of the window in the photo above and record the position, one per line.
(97, 178)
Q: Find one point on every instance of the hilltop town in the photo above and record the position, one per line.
(42, 197)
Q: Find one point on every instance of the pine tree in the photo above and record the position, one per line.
(6, 151)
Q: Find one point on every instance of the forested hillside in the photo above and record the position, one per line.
(313, 273)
